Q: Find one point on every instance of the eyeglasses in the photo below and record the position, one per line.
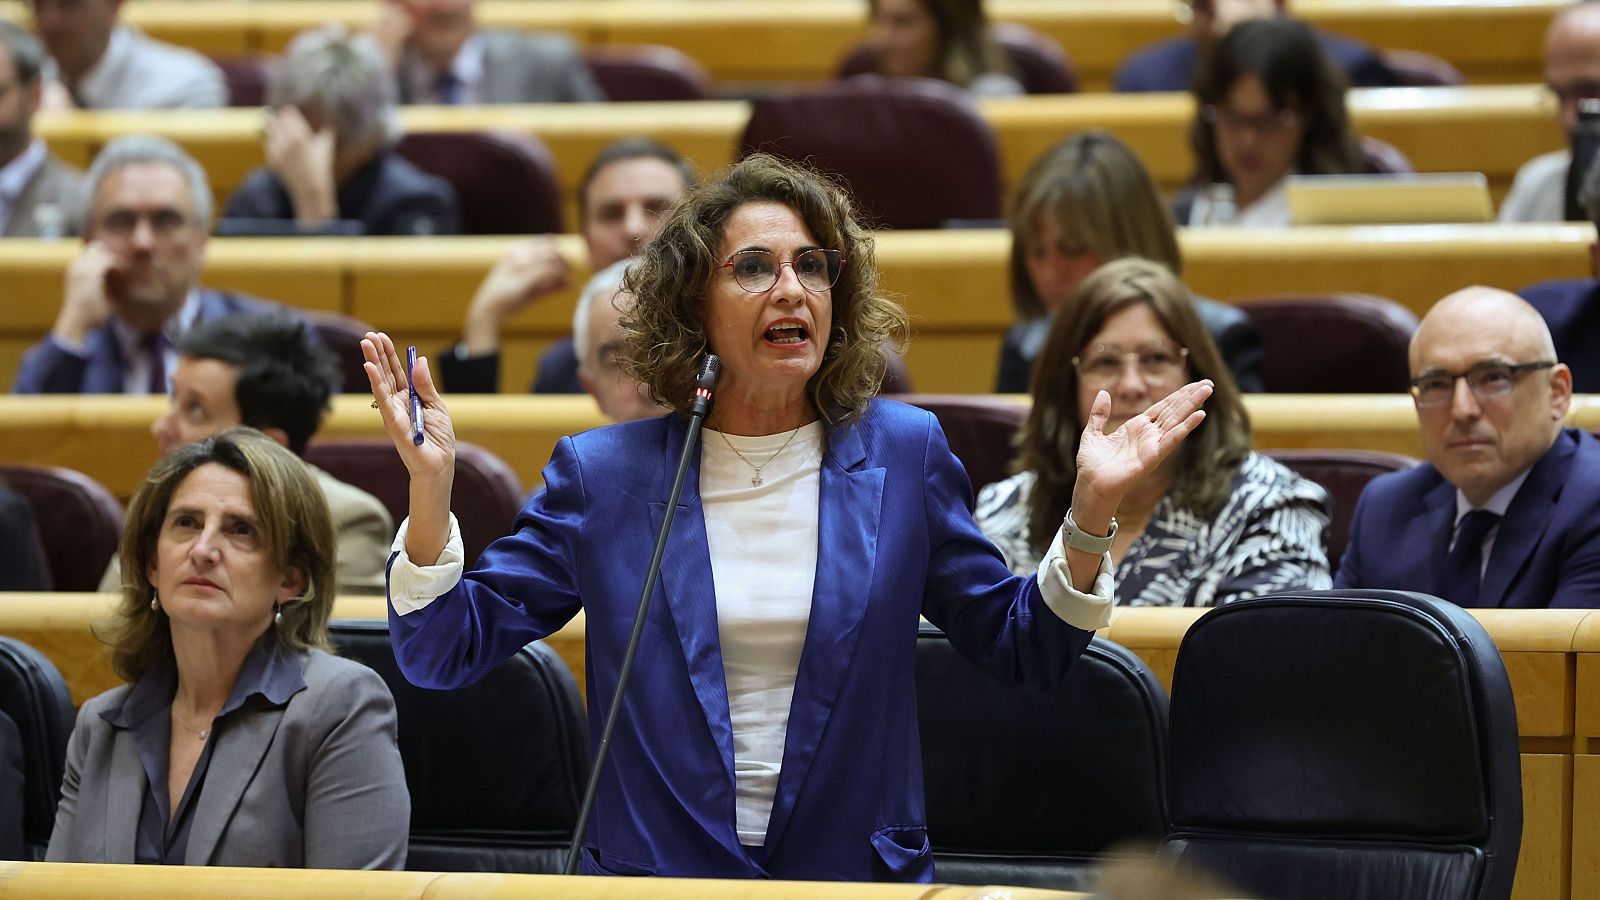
(1103, 364)
(1487, 380)
(757, 270)
(1277, 122)
(123, 222)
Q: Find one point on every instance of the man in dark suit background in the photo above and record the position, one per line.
(1506, 511)
(1170, 64)
(1571, 307)
(38, 192)
(136, 283)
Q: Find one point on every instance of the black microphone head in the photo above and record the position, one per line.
(710, 368)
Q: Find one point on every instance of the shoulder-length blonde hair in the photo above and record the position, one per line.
(1048, 442)
(296, 531)
(666, 329)
(1101, 199)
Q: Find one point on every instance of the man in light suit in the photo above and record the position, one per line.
(102, 64)
(440, 55)
(136, 284)
(38, 192)
(1506, 512)
(1571, 73)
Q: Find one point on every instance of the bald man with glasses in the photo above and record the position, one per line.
(1506, 511)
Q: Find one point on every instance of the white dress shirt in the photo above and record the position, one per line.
(422, 82)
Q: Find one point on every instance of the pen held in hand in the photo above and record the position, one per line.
(416, 402)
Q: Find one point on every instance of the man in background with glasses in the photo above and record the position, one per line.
(1571, 74)
(1506, 511)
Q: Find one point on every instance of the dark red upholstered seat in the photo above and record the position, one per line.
(1417, 69)
(980, 429)
(647, 72)
(247, 78)
(1336, 343)
(79, 522)
(506, 182)
(1344, 474)
(342, 336)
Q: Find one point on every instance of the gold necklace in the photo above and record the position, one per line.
(756, 479)
(201, 734)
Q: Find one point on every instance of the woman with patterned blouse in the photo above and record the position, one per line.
(1217, 522)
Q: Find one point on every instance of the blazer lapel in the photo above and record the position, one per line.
(234, 761)
(1525, 522)
(125, 800)
(850, 502)
(1437, 526)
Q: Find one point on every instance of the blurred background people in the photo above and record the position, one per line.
(102, 64)
(440, 55)
(331, 166)
(597, 334)
(1216, 521)
(1268, 105)
(1086, 201)
(23, 564)
(944, 39)
(240, 739)
(1539, 192)
(38, 192)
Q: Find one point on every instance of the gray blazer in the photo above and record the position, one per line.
(314, 783)
(55, 184)
(157, 75)
(525, 67)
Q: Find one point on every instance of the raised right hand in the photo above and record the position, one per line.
(435, 458)
(91, 280)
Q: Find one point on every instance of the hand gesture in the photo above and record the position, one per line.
(303, 160)
(1110, 465)
(93, 279)
(529, 270)
(433, 460)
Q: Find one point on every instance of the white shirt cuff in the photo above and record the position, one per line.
(1090, 611)
(411, 587)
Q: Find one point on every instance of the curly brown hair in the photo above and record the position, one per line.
(666, 328)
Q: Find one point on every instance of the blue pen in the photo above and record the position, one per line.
(416, 402)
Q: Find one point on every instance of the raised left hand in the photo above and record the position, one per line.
(1110, 465)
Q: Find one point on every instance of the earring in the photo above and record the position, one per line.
(277, 613)
(155, 601)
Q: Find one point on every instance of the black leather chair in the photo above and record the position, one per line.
(496, 770)
(1344, 474)
(1338, 744)
(981, 431)
(1333, 343)
(1031, 788)
(79, 521)
(36, 712)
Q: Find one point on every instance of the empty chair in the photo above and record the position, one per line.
(485, 498)
(914, 152)
(1031, 788)
(496, 770)
(79, 521)
(1413, 68)
(36, 712)
(506, 182)
(342, 336)
(1041, 66)
(1344, 474)
(980, 429)
(1342, 744)
(1337, 343)
(647, 72)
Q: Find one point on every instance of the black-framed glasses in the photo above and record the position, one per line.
(1102, 364)
(1276, 122)
(1486, 380)
(757, 270)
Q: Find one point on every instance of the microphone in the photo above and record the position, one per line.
(699, 408)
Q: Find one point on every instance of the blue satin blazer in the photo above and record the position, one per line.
(897, 541)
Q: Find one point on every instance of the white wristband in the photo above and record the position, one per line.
(1078, 539)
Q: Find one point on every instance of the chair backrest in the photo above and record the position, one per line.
(877, 135)
(506, 182)
(1413, 68)
(980, 429)
(1006, 772)
(1335, 343)
(1040, 64)
(1384, 158)
(341, 335)
(1344, 474)
(496, 770)
(647, 72)
(246, 77)
(34, 697)
(79, 521)
(485, 498)
(1332, 744)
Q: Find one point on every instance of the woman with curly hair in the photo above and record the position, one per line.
(771, 730)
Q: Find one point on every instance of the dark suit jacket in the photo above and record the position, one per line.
(311, 780)
(1170, 65)
(387, 196)
(1572, 310)
(524, 67)
(896, 540)
(1229, 327)
(1546, 553)
(23, 565)
(13, 791)
(48, 369)
(55, 184)
(558, 371)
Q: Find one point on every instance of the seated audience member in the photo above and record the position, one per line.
(1504, 512)
(23, 566)
(101, 64)
(1215, 522)
(597, 333)
(944, 39)
(1571, 307)
(1572, 73)
(38, 193)
(268, 372)
(330, 162)
(1171, 64)
(629, 185)
(136, 284)
(240, 740)
(1089, 200)
(440, 55)
(1268, 105)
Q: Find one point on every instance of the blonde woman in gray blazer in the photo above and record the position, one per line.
(240, 739)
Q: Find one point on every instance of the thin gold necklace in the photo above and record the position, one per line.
(756, 479)
(201, 734)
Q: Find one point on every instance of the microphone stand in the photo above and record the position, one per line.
(705, 383)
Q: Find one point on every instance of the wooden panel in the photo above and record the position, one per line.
(1544, 862)
(1586, 826)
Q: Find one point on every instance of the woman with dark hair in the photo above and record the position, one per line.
(944, 39)
(770, 730)
(1268, 105)
(1215, 522)
(1089, 200)
(240, 739)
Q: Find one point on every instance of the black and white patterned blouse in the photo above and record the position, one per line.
(1266, 537)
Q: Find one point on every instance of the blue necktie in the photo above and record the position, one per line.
(1463, 568)
(448, 88)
